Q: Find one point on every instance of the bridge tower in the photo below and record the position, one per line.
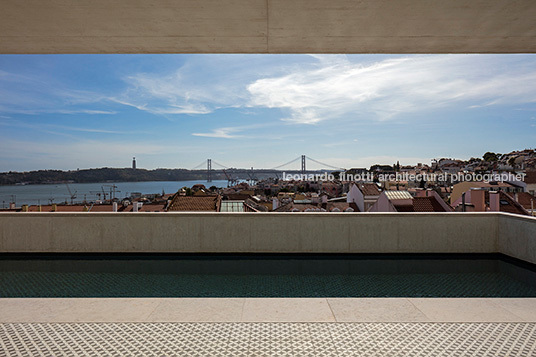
(209, 169)
(303, 165)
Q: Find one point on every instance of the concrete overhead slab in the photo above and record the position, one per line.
(56, 310)
(267, 26)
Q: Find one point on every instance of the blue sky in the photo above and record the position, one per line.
(82, 111)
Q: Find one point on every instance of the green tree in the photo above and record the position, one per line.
(490, 157)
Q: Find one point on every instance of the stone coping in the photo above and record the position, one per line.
(51, 310)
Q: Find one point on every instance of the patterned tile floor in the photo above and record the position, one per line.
(268, 339)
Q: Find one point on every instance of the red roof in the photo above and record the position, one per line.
(195, 203)
(530, 177)
(369, 189)
(511, 205)
(420, 204)
(525, 198)
(427, 204)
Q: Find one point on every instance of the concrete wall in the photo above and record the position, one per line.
(517, 236)
(267, 26)
(249, 232)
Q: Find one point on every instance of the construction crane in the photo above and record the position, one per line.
(230, 180)
(252, 177)
(73, 195)
(112, 191)
(96, 193)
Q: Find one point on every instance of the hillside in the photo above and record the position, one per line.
(101, 175)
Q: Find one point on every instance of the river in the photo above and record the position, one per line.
(58, 193)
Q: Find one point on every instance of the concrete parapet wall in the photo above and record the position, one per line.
(268, 26)
(517, 236)
(258, 232)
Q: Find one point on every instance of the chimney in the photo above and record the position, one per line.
(24, 208)
(134, 206)
(494, 201)
(478, 199)
(54, 207)
(12, 205)
(324, 202)
(114, 206)
(275, 203)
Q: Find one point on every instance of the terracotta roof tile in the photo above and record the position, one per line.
(427, 204)
(195, 203)
(405, 208)
(512, 206)
(525, 198)
(530, 177)
(369, 189)
(237, 196)
(420, 204)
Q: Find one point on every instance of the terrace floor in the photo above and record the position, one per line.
(268, 326)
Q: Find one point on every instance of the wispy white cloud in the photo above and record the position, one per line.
(194, 88)
(225, 133)
(385, 89)
(56, 111)
(150, 106)
(202, 84)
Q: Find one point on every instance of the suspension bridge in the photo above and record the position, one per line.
(296, 165)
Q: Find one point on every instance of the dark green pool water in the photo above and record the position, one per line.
(265, 276)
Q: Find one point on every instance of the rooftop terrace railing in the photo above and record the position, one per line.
(269, 233)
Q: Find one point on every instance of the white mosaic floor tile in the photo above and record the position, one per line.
(268, 339)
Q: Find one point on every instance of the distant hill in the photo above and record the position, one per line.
(105, 174)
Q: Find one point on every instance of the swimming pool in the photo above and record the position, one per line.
(414, 275)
